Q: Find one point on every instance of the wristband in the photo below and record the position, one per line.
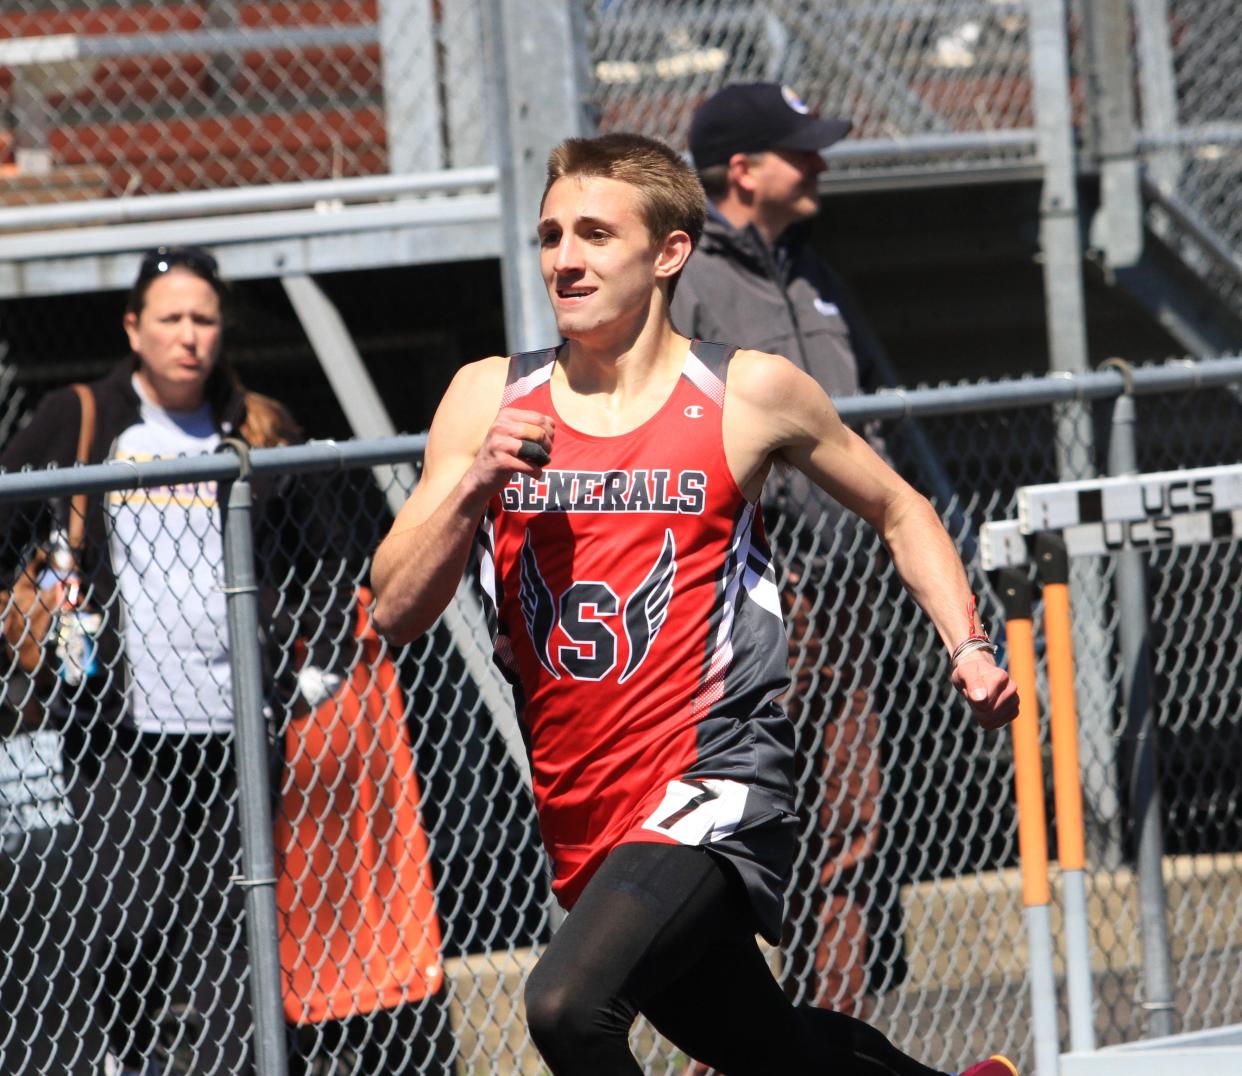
(969, 646)
(976, 639)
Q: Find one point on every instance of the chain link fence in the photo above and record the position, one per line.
(410, 886)
(106, 100)
(100, 100)
(1189, 110)
(945, 78)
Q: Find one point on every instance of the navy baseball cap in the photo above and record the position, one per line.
(750, 117)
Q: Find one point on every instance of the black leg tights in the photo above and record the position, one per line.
(664, 930)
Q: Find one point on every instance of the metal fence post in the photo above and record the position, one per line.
(1118, 226)
(1139, 734)
(1061, 247)
(534, 82)
(251, 748)
(1159, 88)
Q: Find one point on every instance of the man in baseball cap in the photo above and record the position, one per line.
(751, 117)
(755, 279)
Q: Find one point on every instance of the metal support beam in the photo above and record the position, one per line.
(1118, 227)
(1060, 239)
(411, 94)
(1139, 736)
(1173, 287)
(1059, 225)
(537, 50)
(347, 374)
(1159, 86)
(367, 417)
(466, 113)
(268, 197)
(410, 232)
(1177, 307)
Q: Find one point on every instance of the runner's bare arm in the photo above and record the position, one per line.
(774, 411)
(470, 457)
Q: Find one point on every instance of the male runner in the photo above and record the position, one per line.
(637, 617)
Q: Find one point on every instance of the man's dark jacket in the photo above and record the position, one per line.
(785, 299)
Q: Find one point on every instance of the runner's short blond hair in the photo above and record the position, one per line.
(669, 191)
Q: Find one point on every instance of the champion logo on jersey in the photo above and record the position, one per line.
(827, 308)
(694, 411)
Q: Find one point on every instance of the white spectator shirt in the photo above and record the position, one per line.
(168, 557)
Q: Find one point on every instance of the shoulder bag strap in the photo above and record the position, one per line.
(86, 437)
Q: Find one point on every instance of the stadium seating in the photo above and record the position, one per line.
(155, 99)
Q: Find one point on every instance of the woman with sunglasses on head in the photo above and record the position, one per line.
(147, 716)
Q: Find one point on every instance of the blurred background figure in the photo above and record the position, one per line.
(756, 280)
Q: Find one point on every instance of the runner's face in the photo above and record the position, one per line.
(177, 337)
(597, 256)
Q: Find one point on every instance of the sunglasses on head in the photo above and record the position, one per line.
(162, 259)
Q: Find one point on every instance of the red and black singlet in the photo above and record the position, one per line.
(638, 619)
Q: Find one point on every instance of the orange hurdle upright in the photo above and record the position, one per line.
(1014, 589)
(1052, 563)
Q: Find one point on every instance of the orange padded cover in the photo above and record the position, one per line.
(359, 929)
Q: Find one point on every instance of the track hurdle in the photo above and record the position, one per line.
(1120, 515)
(1006, 551)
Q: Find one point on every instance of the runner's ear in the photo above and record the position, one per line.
(673, 254)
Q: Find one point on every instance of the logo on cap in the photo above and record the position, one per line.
(794, 101)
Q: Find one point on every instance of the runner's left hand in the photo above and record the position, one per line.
(992, 695)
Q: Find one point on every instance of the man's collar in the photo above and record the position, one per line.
(788, 239)
(747, 237)
(750, 243)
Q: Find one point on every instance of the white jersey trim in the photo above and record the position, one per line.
(707, 382)
(523, 386)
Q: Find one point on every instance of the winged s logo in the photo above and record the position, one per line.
(648, 606)
(538, 608)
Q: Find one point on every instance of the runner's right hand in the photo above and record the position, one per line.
(497, 459)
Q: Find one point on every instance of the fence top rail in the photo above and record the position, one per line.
(319, 456)
(66, 48)
(222, 466)
(268, 197)
(1174, 376)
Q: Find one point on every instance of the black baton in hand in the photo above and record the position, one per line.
(533, 452)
